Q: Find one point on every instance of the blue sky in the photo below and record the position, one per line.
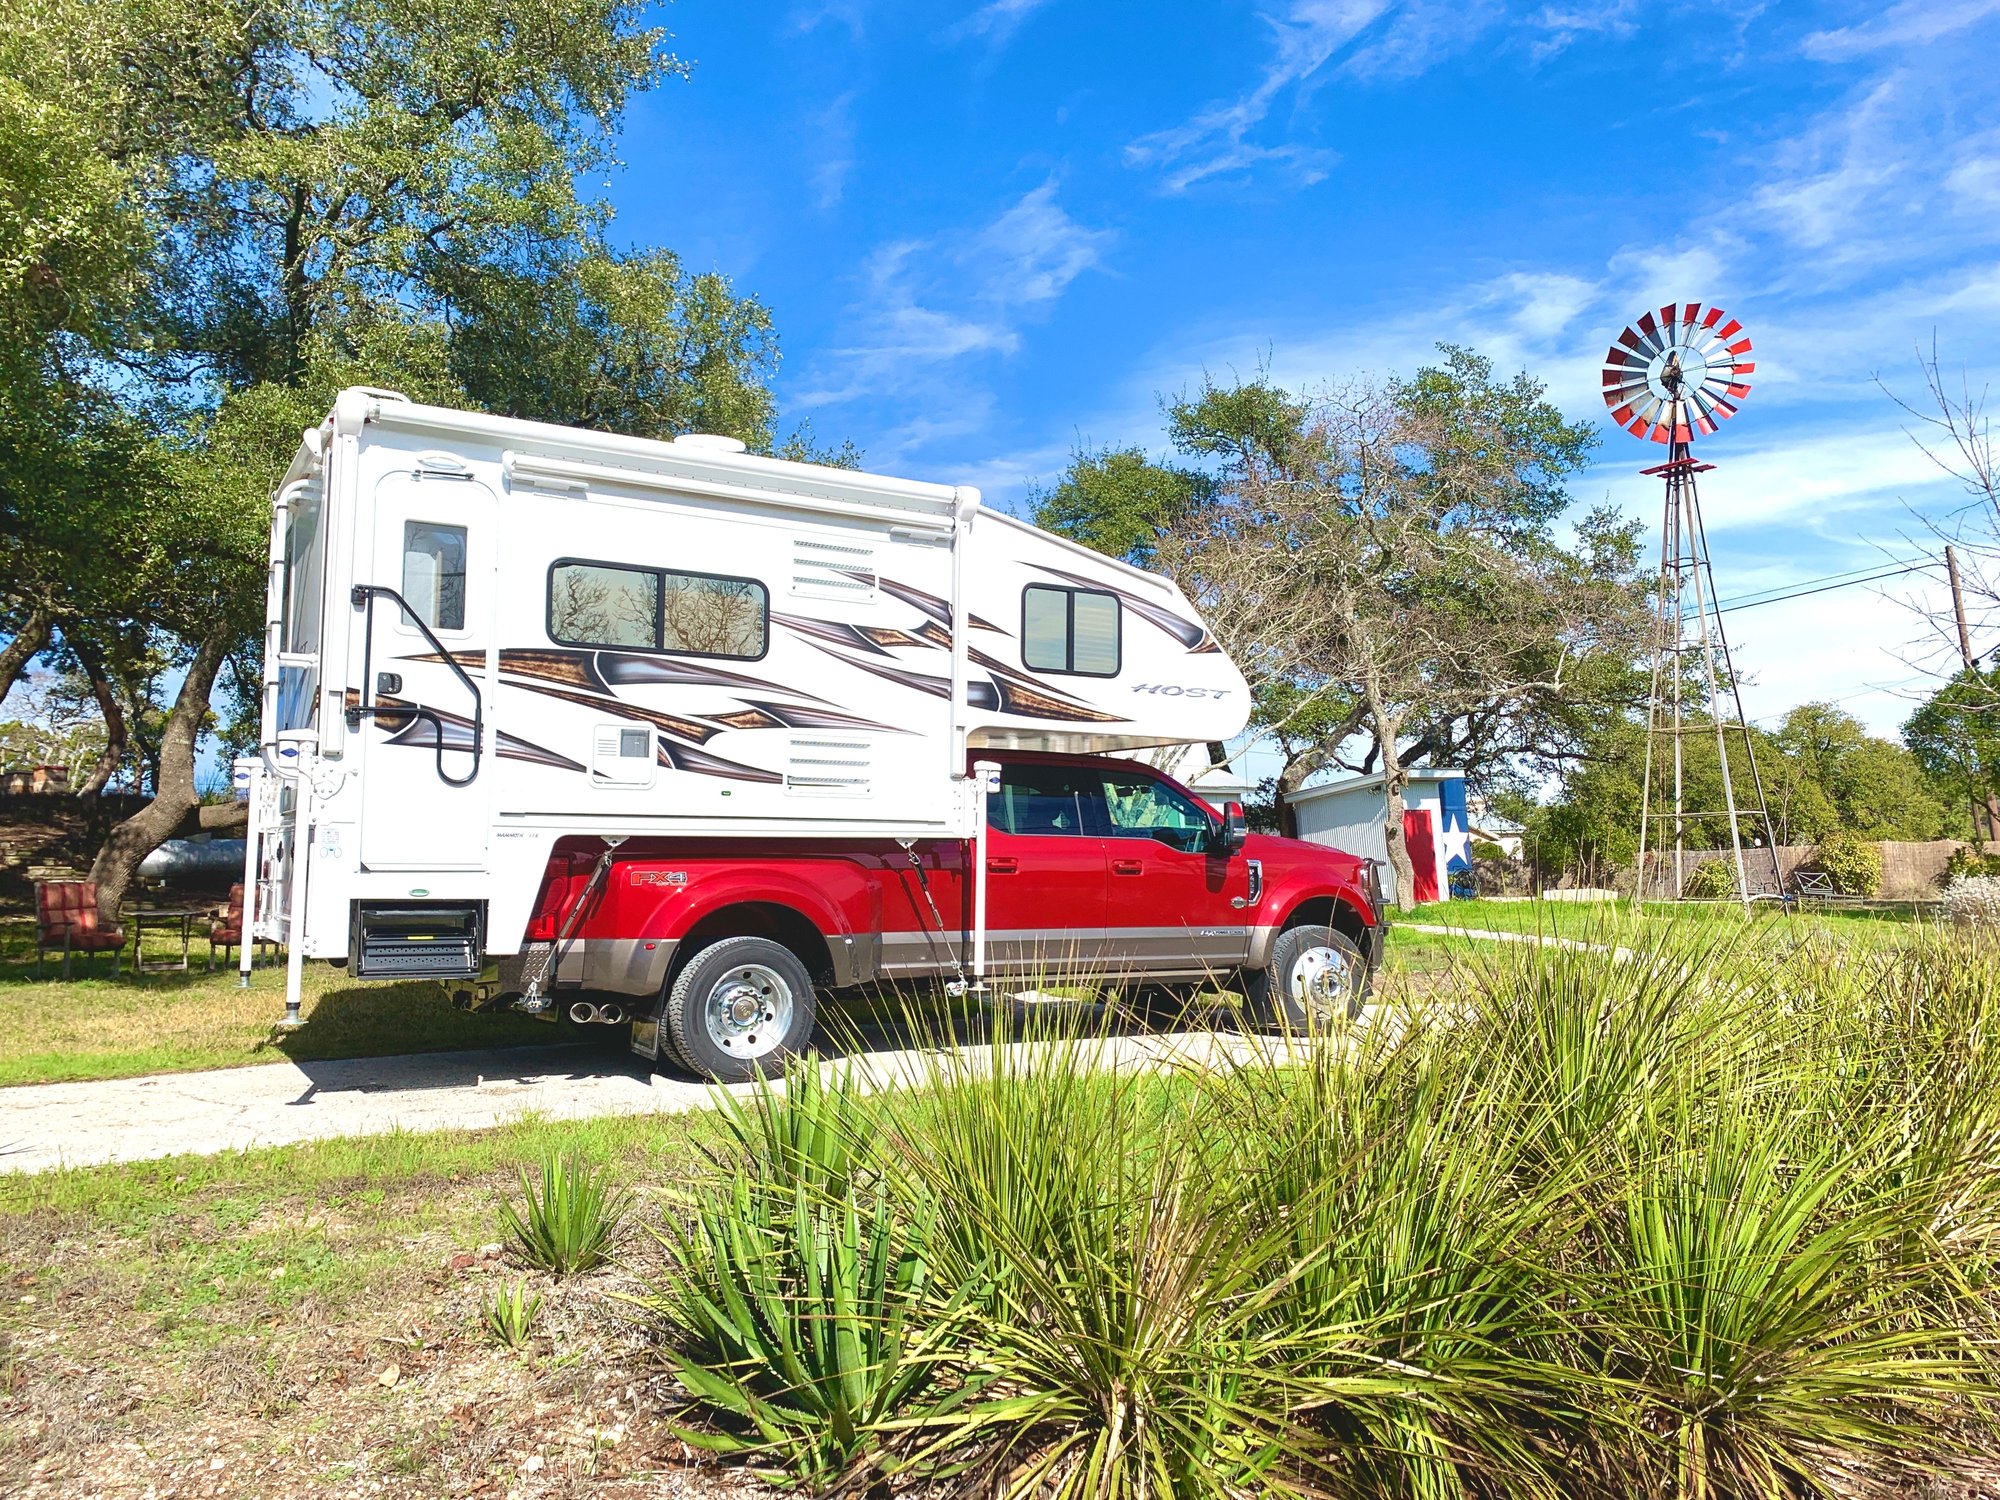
(991, 233)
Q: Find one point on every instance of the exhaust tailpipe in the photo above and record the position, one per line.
(584, 1013)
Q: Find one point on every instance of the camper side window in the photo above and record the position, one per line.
(434, 573)
(652, 609)
(1075, 631)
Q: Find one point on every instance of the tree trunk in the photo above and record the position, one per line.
(174, 795)
(1393, 781)
(22, 649)
(114, 722)
(1290, 779)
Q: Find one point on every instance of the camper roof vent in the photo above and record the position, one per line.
(709, 442)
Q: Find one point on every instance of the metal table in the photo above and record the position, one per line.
(150, 914)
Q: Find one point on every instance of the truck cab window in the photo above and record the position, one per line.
(434, 573)
(1060, 800)
(1141, 808)
(1074, 631)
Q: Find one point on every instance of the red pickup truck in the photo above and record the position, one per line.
(716, 950)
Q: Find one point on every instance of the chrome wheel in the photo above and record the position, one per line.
(749, 1011)
(1321, 982)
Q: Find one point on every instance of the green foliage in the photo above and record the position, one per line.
(1606, 1225)
(567, 1221)
(1969, 862)
(800, 1302)
(509, 1315)
(1852, 863)
(1119, 501)
(1955, 736)
(1711, 880)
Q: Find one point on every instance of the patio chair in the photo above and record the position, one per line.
(226, 930)
(66, 918)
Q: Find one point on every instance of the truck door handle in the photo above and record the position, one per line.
(1126, 867)
(1002, 864)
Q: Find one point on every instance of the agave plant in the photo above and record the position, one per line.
(509, 1315)
(567, 1219)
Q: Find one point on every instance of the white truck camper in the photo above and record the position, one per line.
(486, 637)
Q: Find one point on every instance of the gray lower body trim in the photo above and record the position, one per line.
(618, 966)
(1109, 952)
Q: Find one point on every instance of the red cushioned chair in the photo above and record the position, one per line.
(66, 918)
(226, 931)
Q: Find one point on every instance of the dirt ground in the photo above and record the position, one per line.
(324, 1349)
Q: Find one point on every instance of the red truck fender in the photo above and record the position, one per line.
(1342, 907)
(835, 913)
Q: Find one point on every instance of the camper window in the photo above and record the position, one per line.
(651, 609)
(434, 573)
(1075, 631)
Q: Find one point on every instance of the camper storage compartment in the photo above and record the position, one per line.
(417, 940)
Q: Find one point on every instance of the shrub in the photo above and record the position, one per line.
(1969, 860)
(800, 1304)
(567, 1221)
(1973, 901)
(1711, 880)
(1850, 862)
(509, 1315)
(1695, 1215)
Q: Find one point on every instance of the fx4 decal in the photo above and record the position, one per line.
(659, 877)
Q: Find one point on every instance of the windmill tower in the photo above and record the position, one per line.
(1671, 375)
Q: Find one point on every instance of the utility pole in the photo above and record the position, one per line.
(1992, 808)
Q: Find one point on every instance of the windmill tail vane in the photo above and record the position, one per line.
(1673, 375)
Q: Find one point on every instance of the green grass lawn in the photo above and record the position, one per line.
(94, 1026)
(1590, 921)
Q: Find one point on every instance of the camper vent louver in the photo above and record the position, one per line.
(821, 766)
(832, 570)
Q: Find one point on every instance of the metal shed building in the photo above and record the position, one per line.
(1349, 815)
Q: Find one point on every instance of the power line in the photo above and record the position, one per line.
(1807, 587)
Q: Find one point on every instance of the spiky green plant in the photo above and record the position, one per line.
(1759, 1333)
(509, 1315)
(568, 1217)
(800, 1305)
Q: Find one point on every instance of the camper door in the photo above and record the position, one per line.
(425, 791)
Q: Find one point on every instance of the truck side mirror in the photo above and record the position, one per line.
(1235, 829)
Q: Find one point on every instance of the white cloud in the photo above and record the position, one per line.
(1910, 23)
(833, 138)
(996, 22)
(1216, 142)
(938, 300)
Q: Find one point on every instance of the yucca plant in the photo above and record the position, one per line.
(1761, 1335)
(809, 1320)
(1114, 1332)
(567, 1219)
(509, 1315)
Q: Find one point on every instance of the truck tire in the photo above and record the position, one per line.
(739, 1007)
(1317, 976)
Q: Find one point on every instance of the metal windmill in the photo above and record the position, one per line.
(1671, 375)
